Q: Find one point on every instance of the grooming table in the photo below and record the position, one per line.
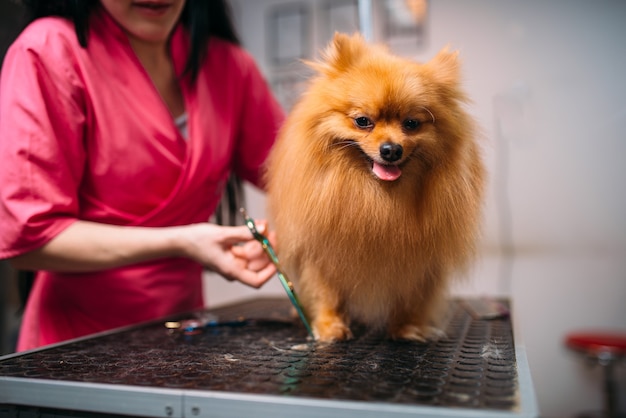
(266, 367)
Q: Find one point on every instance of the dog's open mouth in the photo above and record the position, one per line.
(381, 170)
(386, 172)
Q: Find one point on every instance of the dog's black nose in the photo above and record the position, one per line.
(391, 152)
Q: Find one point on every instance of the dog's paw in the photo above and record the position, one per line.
(418, 333)
(331, 329)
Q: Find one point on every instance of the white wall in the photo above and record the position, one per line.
(552, 75)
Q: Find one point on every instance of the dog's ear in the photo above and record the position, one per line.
(340, 54)
(446, 68)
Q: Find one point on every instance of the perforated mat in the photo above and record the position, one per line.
(473, 366)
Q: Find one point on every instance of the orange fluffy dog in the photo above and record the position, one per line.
(375, 188)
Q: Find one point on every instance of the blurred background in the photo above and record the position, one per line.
(547, 83)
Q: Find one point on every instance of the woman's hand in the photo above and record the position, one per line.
(230, 251)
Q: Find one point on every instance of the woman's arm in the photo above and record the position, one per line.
(87, 246)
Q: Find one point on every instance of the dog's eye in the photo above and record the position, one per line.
(411, 124)
(363, 122)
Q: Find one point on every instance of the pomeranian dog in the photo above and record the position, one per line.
(375, 190)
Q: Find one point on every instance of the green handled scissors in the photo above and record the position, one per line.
(287, 285)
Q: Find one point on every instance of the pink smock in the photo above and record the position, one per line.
(84, 134)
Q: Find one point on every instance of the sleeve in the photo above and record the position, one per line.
(260, 119)
(41, 143)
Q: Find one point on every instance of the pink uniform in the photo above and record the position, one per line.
(84, 134)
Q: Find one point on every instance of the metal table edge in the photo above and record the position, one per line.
(528, 397)
(233, 405)
(92, 397)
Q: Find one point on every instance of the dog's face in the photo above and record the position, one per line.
(384, 111)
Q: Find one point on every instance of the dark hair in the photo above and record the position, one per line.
(202, 18)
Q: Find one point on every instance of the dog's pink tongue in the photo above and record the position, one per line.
(386, 172)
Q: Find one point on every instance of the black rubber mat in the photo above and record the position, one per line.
(473, 366)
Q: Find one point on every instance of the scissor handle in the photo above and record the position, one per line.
(252, 226)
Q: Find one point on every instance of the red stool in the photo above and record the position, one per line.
(606, 349)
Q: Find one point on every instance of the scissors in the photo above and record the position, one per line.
(202, 321)
(287, 285)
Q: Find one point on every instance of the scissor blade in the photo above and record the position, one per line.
(294, 301)
(269, 250)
